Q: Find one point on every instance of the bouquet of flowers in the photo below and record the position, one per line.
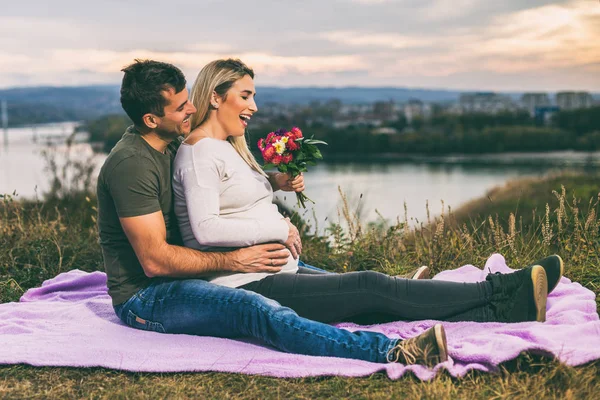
(291, 153)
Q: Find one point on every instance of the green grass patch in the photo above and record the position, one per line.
(524, 221)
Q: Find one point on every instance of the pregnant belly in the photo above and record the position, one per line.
(291, 267)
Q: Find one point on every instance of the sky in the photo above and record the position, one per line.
(502, 45)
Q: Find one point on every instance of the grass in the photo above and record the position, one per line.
(524, 221)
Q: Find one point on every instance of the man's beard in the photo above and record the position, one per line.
(168, 134)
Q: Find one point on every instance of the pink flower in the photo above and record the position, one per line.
(296, 132)
(268, 154)
(277, 159)
(291, 145)
(287, 158)
(261, 144)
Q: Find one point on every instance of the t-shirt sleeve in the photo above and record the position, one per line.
(134, 185)
(202, 195)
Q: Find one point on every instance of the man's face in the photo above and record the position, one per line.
(176, 121)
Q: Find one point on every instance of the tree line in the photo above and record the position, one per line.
(441, 134)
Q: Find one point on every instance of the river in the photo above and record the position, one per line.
(376, 188)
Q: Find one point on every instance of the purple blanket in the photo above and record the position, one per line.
(69, 321)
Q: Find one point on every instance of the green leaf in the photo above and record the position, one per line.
(318, 142)
(313, 163)
(283, 168)
(268, 166)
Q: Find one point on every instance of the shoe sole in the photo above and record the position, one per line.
(422, 273)
(562, 271)
(551, 267)
(440, 337)
(540, 291)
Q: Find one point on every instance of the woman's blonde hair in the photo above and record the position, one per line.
(219, 76)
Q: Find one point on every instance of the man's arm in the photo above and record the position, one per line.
(148, 237)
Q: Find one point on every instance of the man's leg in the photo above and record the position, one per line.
(198, 307)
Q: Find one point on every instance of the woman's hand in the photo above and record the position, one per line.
(281, 181)
(293, 242)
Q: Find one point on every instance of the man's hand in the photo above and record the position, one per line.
(281, 181)
(293, 242)
(260, 258)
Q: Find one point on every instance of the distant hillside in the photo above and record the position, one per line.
(55, 104)
(50, 104)
(352, 95)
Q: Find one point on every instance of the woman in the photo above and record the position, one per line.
(223, 200)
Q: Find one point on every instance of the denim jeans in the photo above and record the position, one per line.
(195, 306)
(304, 268)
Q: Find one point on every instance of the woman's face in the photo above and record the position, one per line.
(235, 111)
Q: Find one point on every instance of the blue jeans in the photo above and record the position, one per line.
(310, 269)
(197, 307)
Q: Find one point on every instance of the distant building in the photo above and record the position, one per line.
(416, 109)
(384, 110)
(384, 130)
(354, 109)
(531, 101)
(485, 102)
(543, 114)
(359, 121)
(574, 100)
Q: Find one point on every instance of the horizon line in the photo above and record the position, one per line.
(116, 85)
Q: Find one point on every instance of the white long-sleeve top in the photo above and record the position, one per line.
(222, 204)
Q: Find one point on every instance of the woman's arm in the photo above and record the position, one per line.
(202, 195)
(281, 181)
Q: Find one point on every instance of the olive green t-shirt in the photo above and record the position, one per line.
(134, 180)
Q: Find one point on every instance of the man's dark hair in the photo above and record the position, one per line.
(142, 85)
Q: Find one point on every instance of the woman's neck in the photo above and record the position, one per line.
(209, 128)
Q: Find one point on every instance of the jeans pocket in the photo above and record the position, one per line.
(139, 323)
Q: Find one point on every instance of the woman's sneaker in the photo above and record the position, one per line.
(520, 296)
(419, 273)
(429, 348)
(554, 267)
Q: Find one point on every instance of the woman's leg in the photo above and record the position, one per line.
(332, 298)
(198, 307)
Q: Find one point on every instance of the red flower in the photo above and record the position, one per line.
(287, 158)
(277, 159)
(269, 153)
(261, 144)
(291, 144)
(296, 132)
(271, 137)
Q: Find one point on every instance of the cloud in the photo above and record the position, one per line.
(106, 64)
(370, 2)
(385, 40)
(326, 42)
(550, 38)
(447, 9)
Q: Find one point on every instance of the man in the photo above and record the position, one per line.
(138, 231)
(153, 280)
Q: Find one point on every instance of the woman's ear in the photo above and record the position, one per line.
(214, 100)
